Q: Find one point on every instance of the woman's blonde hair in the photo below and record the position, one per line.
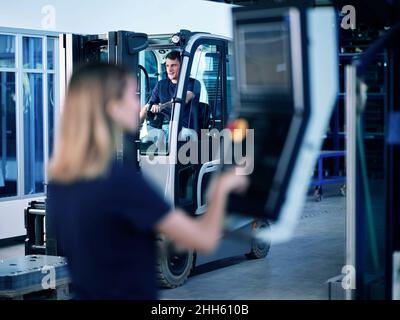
(87, 136)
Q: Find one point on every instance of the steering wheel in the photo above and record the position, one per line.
(156, 120)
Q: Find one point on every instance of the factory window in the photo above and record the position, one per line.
(8, 168)
(50, 53)
(32, 52)
(28, 107)
(51, 105)
(51, 110)
(7, 51)
(8, 134)
(32, 83)
(33, 132)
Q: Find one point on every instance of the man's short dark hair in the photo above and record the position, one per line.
(173, 55)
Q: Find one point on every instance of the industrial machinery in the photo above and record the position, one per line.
(286, 90)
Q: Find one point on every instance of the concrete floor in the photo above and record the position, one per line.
(12, 251)
(297, 269)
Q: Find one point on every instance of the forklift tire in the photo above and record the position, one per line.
(259, 249)
(343, 190)
(173, 265)
(318, 194)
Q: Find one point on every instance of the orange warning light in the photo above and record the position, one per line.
(238, 129)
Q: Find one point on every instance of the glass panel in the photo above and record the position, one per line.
(154, 133)
(265, 57)
(7, 51)
(207, 70)
(229, 85)
(186, 190)
(372, 219)
(8, 136)
(151, 67)
(51, 110)
(50, 53)
(33, 132)
(32, 53)
(150, 63)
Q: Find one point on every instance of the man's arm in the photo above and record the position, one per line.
(190, 91)
(203, 233)
(189, 96)
(143, 113)
(154, 100)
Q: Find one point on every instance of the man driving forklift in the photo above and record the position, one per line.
(163, 93)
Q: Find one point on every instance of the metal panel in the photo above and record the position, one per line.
(45, 112)
(57, 89)
(351, 114)
(20, 120)
(32, 32)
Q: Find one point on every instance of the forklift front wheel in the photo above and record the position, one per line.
(173, 264)
(259, 249)
(318, 194)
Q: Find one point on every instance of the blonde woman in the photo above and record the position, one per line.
(105, 213)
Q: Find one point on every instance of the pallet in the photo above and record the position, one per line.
(33, 276)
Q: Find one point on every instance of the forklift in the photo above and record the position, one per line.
(205, 59)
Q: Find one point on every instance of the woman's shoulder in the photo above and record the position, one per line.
(116, 172)
(116, 179)
(124, 174)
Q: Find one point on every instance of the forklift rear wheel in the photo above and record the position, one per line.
(318, 194)
(173, 264)
(343, 190)
(259, 249)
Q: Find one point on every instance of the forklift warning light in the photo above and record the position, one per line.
(238, 129)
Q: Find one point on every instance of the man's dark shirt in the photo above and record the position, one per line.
(164, 91)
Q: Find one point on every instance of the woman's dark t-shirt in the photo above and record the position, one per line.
(105, 228)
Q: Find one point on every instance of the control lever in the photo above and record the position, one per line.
(156, 120)
(162, 106)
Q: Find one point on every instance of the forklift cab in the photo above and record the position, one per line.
(204, 63)
(160, 145)
(204, 59)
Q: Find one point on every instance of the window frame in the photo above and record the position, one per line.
(223, 50)
(19, 71)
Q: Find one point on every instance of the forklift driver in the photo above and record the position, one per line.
(165, 90)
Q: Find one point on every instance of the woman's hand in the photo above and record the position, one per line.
(229, 181)
(234, 182)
